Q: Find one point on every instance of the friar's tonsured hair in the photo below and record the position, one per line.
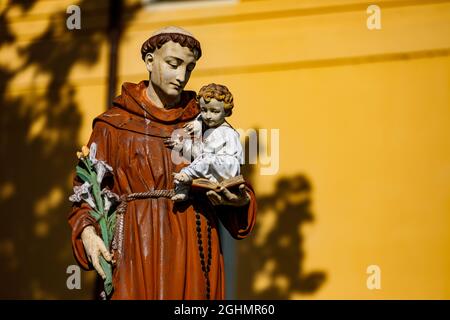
(218, 92)
(157, 41)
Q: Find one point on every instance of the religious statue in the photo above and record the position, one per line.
(124, 222)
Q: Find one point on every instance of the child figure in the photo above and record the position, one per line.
(216, 148)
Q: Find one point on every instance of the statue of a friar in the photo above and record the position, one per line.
(164, 245)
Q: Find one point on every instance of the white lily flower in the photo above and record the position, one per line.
(101, 167)
(109, 198)
(107, 204)
(93, 152)
(78, 190)
(89, 200)
(82, 193)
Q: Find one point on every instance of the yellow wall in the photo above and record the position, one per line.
(363, 115)
(52, 83)
(363, 118)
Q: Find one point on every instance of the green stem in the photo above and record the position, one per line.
(107, 268)
(104, 230)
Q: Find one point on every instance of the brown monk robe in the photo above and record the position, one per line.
(161, 258)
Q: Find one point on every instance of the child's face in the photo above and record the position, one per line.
(213, 113)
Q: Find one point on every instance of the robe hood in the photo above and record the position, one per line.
(133, 110)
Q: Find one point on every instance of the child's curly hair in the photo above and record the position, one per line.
(218, 92)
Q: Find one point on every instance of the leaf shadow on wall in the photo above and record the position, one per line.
(39, 127)
(271, 260)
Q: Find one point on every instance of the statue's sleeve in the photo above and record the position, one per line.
(79, 217)
(239, 221)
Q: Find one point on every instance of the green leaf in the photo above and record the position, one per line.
(96, 193)
(100, 217)
(95, 214)
(107, 268)
(111, 222)
(89, 166)
(104, 230)
(84, 175)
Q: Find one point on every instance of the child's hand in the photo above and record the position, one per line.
(181, 177)
(189, 127)
(170, 143)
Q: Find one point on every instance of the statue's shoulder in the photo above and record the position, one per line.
(114, 116)
(119, 112)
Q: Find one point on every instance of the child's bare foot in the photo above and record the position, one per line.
(179, 197)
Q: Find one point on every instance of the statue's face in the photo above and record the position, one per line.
(213, 113)
(170, 68)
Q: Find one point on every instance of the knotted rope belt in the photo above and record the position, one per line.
(117, 243)
(152, 194)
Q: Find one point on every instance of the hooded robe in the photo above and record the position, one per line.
(161, 256)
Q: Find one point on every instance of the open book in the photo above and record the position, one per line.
(202, 183)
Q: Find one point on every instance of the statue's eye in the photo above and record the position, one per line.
(173, 65)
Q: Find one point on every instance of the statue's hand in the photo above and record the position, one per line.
(94, 247)
(228, 198)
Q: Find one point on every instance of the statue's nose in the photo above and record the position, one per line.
(181, 77)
